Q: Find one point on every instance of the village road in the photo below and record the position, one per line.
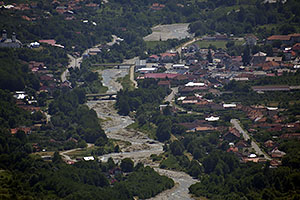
(256, 148)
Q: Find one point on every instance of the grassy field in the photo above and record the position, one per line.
(152, 44)
(148, 129)
(218, 44)
(126, 83)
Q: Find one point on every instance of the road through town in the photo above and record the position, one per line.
(256, 148)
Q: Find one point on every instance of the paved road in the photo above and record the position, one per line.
(256, 148)
(171, 96)
(186, 44)
(65, 155)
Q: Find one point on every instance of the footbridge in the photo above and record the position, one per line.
(102, 96)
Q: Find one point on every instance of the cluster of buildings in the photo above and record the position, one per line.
(196, 79)
(47, 78)
(7, 42)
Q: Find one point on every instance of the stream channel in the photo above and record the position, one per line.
(137, 145)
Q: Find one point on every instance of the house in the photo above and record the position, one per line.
(88, 158)
(9, 43)
(269, 88)
(179, 67)
(242, 144)
(192, 84)
(296, 47)
(160, 75)
(251, 39)
(269, 143)
(232, 149)
(34, 44)
(26, 130)
(232, 134)
(189, 89)
(275, 163)
(212, 119)
(164, 83)
(140, 64)
(276, 153)
(51, 42)
(291, 136)
(146, 70)
(285, 39)
(153, 59)
(258, 58)
(157, 6)
(269, 65)
(190, 100)
(229, 105)
(275, 59)
(197, 125)
(94, 51)
(168, 57)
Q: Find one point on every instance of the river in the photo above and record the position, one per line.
(138, 146)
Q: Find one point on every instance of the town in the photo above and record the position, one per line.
(128, 99)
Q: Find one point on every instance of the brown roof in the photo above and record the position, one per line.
(163, 83)
(233, 149)
(15, 130)
(279, 37)
(290, 136)
(296, 47)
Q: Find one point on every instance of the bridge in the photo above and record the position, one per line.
(114, 65)
(102, 96)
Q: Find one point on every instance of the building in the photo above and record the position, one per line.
(285, 39)
(251, 39)
(271, 88)
(10, 43)
(140, 64)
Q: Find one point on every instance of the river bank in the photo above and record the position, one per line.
(140, 147)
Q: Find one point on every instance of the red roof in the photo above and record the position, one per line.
(51, 42)
(168, 54)
(25, 129)
(160, 75)
(154, 56)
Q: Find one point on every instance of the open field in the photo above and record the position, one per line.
(218, 43)
(169, 31)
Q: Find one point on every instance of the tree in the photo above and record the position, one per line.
(56, 158)
(176, 148)
(209, 57)
(246, 56)
(127, 165)
(163, 131)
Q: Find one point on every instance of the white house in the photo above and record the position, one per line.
(212, 119)
(88, 158)
(192, 84)
(229, 105)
